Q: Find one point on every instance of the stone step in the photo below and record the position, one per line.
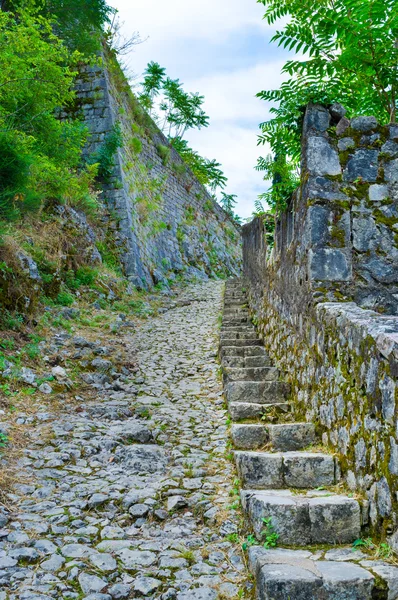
(240, 342)
(301, 520)
(249, 333)
(235, 299)
(237, 328)
(303, 470)
(258, 392)
(246, 362)
(241, 411)
(251, 374)
(232, 322)
(236, 304)
(243, 352)
(283, 574)
(285, 437)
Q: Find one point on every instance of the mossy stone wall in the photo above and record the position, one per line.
(311, 296)
(167, 222)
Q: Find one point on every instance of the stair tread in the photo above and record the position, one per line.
(284, 437)
(282, 574)
(304, 470)
(305, 518)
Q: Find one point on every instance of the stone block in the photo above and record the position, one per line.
(308, 470)
(303, 519)
(345, 581)
(319, 218)
(364, 124)
(391, 171)
(321, 157)
(345, 144)
(381, 270)
(251, 374)
(240, 411)
(289, 516)
(389, 574)
(317, 118)
(378, 192)
(363, 164)
(329, 264)
(287, 582)
(297, 575)
(291, 436)
(337, 111)
(259, 469)
(334, 519)
(342, 126)
(365, 233)
(390, 148)
(260, 392)
(394, 132)
(248, 351)
(249, 437)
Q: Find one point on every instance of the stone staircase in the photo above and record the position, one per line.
(290, 489)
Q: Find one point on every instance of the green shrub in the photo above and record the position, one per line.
(83, 276)
(164, 153)
(136, 145)
(64, 299)
(105, 157)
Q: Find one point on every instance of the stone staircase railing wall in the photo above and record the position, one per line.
(166, 220)
(325, 299)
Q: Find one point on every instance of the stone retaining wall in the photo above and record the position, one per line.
(167, 221)
(335, 256)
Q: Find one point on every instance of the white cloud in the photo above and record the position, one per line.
(207, 43)
(189, 18)
(236, 148)
(231, 95)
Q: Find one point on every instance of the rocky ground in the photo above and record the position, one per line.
(129, 491)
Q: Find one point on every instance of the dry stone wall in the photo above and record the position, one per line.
(325, 299)
(167, 223)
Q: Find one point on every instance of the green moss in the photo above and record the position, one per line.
(337, 236)
(383, 219)
(164, 153)
(135, 145)
(179, 168)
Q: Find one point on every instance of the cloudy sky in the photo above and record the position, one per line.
(221, 49)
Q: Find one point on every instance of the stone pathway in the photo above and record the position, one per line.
(292, 490)
(128, 496)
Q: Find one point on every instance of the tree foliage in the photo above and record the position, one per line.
(79, 23)
(284, 176)
(347, 52)
(41, 153)
(178, 110)
(208, 172)
(228, 202)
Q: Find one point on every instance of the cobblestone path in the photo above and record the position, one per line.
(128, 496)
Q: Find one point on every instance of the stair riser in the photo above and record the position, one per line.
(240, 343)
(260, 471)
(241, 411)
(258, 392)
(285, 438)
(230, 323)
(249, 362)
(236, 328)
(304, 522)
(238, 335)
(251, 374)
(230, 351)
(303, 585)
